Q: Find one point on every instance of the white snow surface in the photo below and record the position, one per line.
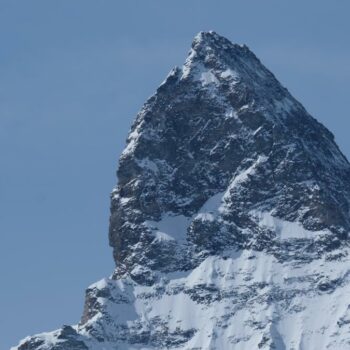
(170, 227)
(238, 300)
(285, 229)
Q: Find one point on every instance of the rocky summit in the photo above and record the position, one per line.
(229, 223)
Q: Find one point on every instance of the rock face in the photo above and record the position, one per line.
(229, 223)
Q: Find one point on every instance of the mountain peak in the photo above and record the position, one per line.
(213, 40)
(211, 43)
(224, 127)
(229, 223)
(210, 46)
(215, 62)
(209, 38)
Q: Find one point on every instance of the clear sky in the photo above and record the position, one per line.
(73, 75)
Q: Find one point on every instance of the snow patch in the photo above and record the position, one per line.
(207, 77)
(131, 144)
(146, 163)
(284, 105)
(170, 227)
(243, 176)
(229, 73)
(284, 229)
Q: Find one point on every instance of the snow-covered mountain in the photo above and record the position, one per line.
(229, 223)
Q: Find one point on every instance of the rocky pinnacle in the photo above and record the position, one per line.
(229, 221)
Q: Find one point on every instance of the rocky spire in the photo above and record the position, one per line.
(223, 127)
(229, 222)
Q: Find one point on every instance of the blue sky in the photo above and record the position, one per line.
(73, 76)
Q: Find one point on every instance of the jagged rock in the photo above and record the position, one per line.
(229, 223)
